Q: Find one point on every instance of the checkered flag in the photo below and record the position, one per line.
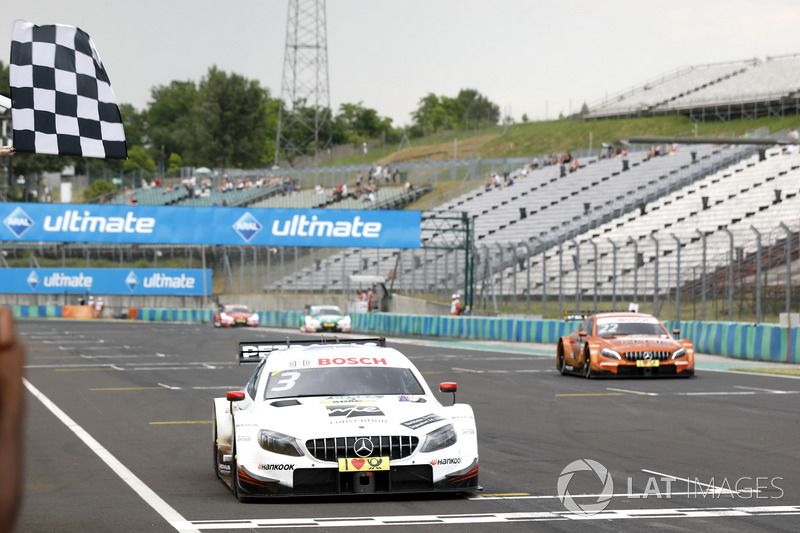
(62, 101)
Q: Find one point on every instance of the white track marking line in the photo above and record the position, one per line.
(146, 493)
(486, 518)
(770, 391)
(640, 393)
(717, 490)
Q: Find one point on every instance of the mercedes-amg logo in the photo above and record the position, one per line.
(648, 355)
(363, 447)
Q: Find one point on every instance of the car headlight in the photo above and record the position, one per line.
(253, 318)
(224, 316)
(310, 321)
(611, 354)
(680, 352)
(344, 321)
(439, 438)
(275, 442)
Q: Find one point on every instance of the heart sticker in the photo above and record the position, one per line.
(358, 463)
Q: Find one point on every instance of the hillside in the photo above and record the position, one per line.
(535, 138)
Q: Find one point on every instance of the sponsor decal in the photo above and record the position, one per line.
(224, 469)
(301, 226)
(163, 281)
(417, 423)
(132, 280)
(247, 226)
(296, 363)
(61, 280)
(74, 221)
(412, 398)
(350, 399)
(354, 411)
(351, 361)
(33, 280)
(18, 222)
(276, 467)
(364, 465)
(627, 320)
(452, 461)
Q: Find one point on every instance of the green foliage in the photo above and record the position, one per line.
(229, 122)
(175, 163)
(138, 158)
(468, 109)
(96, 189)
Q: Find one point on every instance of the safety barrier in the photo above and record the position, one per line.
(755, 342)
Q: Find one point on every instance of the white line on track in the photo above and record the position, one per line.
(716, 490)
(640, 393)
(485, 518)
(146, 493)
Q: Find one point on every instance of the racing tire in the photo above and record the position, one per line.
(214, 445)
(561, 362)
(587, 366)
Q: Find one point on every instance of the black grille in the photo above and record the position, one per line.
(636, 356)
(335, 448)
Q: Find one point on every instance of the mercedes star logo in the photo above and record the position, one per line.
(648, 355)
(363, 447)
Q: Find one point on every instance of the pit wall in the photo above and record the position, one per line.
(756, 342)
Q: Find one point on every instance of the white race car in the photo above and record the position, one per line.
(352, 417)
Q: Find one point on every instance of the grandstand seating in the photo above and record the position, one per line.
(713, 85)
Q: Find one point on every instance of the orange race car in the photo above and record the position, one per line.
(624, 344)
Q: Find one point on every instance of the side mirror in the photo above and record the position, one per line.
(449, 386)
(234, 396)
(582, 334)
(676, 332)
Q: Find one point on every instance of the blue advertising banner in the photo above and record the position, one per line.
(209, 225)
(136, 281)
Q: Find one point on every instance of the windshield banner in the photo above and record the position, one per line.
(209, 225)
(139, 281)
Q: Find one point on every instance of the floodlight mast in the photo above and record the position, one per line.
(304, 115)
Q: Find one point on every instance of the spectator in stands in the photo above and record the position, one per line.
(508, 181)
(357, 192)
(498, 181)
(319, 189)
(395, 175)
(407, 186)
(370, 197)
(535, 163)
(574, 165)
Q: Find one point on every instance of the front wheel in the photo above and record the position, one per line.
(587, 366)
(561, 362)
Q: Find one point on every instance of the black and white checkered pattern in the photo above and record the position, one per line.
(62, 101)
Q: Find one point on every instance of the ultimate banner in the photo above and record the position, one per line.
(136, 281)
(209, 225)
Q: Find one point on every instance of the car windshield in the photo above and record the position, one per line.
(237, 309)
(629, 328)
(341, 382)
(326, 310)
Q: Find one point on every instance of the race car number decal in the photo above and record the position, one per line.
(365, 464)
(286, 381)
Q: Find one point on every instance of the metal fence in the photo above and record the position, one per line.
(746, 274)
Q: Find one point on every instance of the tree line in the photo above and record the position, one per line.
(226, 120)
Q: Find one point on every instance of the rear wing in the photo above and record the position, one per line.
(255, 351)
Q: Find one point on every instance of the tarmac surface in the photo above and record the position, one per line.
(118, 438)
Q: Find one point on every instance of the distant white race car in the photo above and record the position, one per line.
(352, 417)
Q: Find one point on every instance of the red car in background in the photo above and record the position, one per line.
(233, 315)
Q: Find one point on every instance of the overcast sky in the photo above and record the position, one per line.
(528, 56)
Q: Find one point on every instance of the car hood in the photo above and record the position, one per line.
(640, 342)
(358, 415)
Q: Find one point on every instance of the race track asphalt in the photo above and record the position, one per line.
(118, 438)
